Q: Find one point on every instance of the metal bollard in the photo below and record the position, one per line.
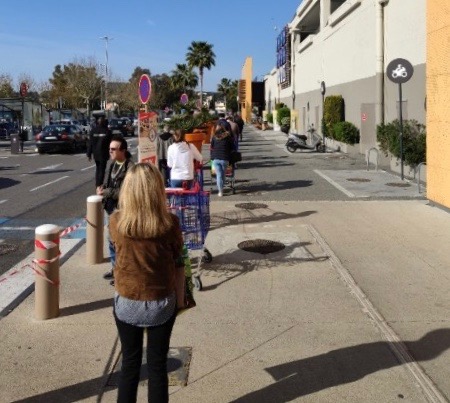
(46, 287)
(94, 230)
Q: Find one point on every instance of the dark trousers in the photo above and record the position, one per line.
(100, 167)
(158, 341)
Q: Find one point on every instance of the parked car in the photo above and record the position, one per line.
(121, 126)
(58, 137)
(6, 129)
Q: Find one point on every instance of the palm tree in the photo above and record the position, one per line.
(224, 88)
(184, 77)
(201, 55)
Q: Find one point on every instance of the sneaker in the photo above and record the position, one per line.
(109, 275)
(220, 194)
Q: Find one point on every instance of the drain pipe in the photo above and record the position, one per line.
(379, 69)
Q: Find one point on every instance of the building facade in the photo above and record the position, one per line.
(347, 44)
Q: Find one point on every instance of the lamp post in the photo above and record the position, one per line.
(102, 66)
(323, 90)
(106, 39)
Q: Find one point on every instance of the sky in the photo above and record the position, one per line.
(35, 36)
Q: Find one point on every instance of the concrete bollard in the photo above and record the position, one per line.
(94, 230)
(47, 272)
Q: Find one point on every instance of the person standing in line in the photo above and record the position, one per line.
(98, 147)
(240, 122)
(180, 160)
(234, 131)
(164, 140)
(148, 242)
(116, 169)
(221, 146)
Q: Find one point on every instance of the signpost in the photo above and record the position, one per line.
(148, 123)
(400, 71)
(23, 93)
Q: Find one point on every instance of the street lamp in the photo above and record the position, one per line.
(106, 39)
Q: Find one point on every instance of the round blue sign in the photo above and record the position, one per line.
(145, 88)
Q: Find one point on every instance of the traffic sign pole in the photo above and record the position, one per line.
(400, 117)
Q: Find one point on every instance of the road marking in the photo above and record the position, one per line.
(3, 201)
(49, 183)
(335, 184)
(17, 279)
(89, 167)
(50, 167)
(17, 228)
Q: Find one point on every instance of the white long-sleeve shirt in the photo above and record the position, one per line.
(180, 158)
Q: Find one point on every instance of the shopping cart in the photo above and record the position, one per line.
(229, 176)
(192, 209)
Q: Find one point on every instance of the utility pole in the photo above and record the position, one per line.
(106, 39)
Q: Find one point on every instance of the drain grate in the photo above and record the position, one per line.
(398, 185)
(262, 246)
(251, 206)
(358, 180)
(7, 248)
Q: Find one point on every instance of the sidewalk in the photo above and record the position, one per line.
(319, 321)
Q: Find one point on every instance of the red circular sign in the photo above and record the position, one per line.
(23, 89)
(145, 88)
(184, 99)
(364, 117)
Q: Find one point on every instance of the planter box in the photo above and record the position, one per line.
(343, 147)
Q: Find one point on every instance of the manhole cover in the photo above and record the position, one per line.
(262, 246)
(398, 185)
(6, 248)
(251, 206)
(358, 180)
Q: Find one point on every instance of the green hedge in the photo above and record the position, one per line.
(346, 132)
(333, 112)
(269, 117)
(283, 112)
(414, 140)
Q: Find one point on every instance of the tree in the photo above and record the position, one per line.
(229, 91)
(224, 88)
(184, 78)
(163, 93)
(201, 56)
(6, 87)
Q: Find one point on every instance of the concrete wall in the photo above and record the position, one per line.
(246, 107)
(438, 101)
(345, 57)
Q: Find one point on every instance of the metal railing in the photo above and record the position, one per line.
(368, 157)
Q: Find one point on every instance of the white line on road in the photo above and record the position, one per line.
(336, 185)
(17, 228)
(49, 183)
(50, 167)
(89, 167)
(2, 201)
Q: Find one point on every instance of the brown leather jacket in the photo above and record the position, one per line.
(145, 267)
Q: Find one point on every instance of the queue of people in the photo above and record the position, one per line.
(146, 245)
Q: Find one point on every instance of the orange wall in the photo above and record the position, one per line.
(438, 101)
(246, 107)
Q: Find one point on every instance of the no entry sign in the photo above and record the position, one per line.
(145, 88)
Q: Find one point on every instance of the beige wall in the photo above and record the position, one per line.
(246, 106)
(438, 101)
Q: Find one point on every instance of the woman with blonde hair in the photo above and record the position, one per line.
(180, 160)
(148, 244)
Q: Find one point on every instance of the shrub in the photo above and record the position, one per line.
(333, 113)
(279, 105)
(283, 113)
(286, 121)
(346, 132)
(414, 140)
(269, 117)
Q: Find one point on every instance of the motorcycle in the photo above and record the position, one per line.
(299, 141)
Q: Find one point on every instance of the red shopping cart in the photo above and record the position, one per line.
(192, 209)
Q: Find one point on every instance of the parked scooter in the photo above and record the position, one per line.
(300, 141)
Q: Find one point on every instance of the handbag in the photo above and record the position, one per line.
(235, 156)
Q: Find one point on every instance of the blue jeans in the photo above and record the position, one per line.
(112, 250)
(220, 166)
(178, 183)
(158, 341)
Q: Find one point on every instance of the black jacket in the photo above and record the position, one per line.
(221, 146)
(111, 187)
(99, 140)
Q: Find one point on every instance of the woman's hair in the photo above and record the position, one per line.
(142, 203)
(178, 136)
(220, 132)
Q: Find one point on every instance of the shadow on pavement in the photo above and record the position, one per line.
(345, 365)
(88, 307)
(7, 183)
